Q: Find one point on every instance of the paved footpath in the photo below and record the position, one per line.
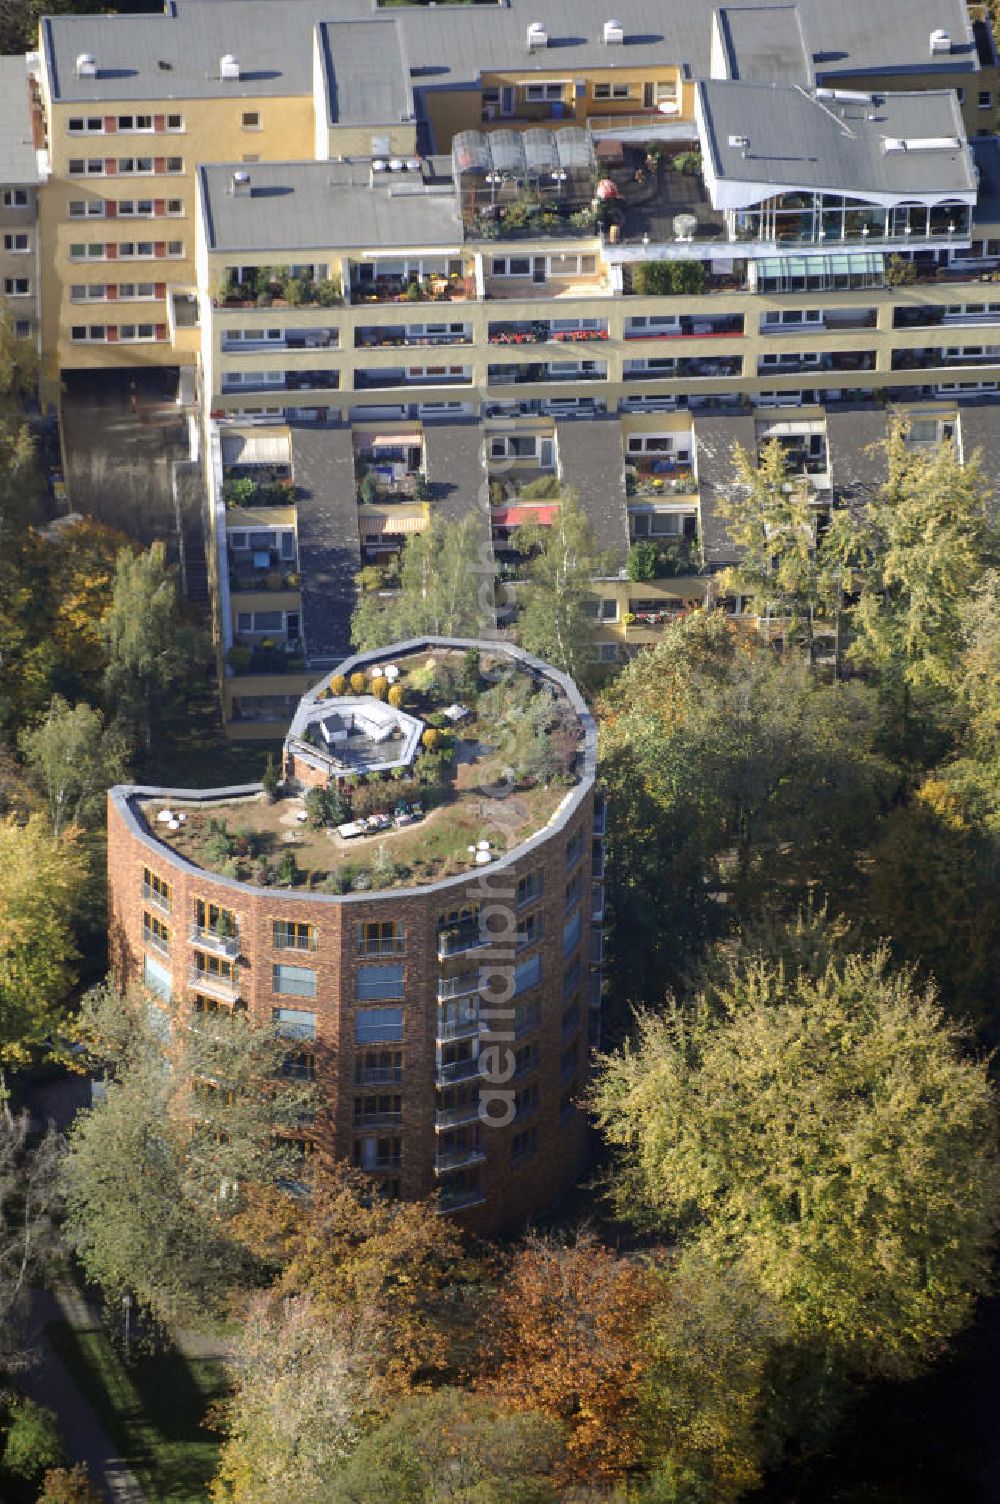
(50, 1383)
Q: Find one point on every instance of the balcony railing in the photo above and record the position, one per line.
(457, 1070)
(456, 1117)
(460, 986)
(459, 1201)
(226, 988)
(600, 825)
(378, 1120)
(463, 938)
(528, 374)
(152, 941)
(458, 1159)
(378, 1075)
(391, 945)
(210, 939)
(459, 1028)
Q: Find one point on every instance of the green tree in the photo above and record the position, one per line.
(29, 1238)
(829, 1133)
(43, 883)
(453, 1448)
(927, 540)
(149, 646)
(75, 758)
(789, 569)
(196, 1111)
(33, 1440)
(442, 589)
(979, 666)
(552, 619)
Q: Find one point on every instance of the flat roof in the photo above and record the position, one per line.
(320, 205)
(367, 81)
(18, 159)
(798, 139)
(766, 43)
(176, 55)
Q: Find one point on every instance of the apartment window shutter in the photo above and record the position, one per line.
(110, 166)
(111, 250)
(159, 122)
(110, 208)
(112, 333)
(111, 291)
(160, 289)
(159, 164)
(161, 331)
(110, 124)
(160, 248)
(159, 206)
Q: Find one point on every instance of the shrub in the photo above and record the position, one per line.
(358, 684)
(899, 272)
(380, 688)
(661, 278)
(238, 492)
(295, 291)
(219, 844)
(33, 1440)
(269, 779)
(431, 738)
(369, 489)
(316, 807)
(327, 292)
(544, 486)
(642, 561)
(338, 685)
(288, 869)
(397, 697)
(68, 1486)
(688, 162)
(239, 658)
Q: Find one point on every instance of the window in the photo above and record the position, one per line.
(214, 966)
(523, 1144)
(574, 891)
(293, 934)
(90, 167)
(15, 198)
(22, 328)
(156, 933)
(377, 1153)
(378, 938)
(212, 919)
(543, 93)
(300, 1065)
(985, 100)
(378, 982)
(612, 91)
(90, 125)
(157, 978)
(175, 122)
(529, 887)
(251, 120)
(296, 981)
(175, 206)
(294, 1023)
(961, 95)
(510, 266)
(18, 244)
(378, 1026)
(527, 974)
(155, 890)
(370, 1109)
(572, 930)
(378, 1067)
(16, 287)
(260, 621)
(89, 333)
(574, 849)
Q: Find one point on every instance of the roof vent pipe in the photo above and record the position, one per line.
(229, 66)
(537, 36)
(241, 185)
(86, 65)
(614, 34)
(940, 42)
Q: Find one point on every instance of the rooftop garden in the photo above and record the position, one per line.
(242, 491)
(417, 824)
(279, 286)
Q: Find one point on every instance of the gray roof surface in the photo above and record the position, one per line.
(858, 464)
(766, 43)
(18, 162)
(590, 460)
(367, 80)
(979, 426)
(329, 550)
(319, 205)
(450, 44)
(986, 151)
(715, 434)
(799, 140)
(458, 480)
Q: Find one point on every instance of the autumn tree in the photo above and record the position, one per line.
(451, 1447)
(552, 607)
(444, 589)
(29, 1238)
(299, 1398)
(829, 1133)
(563, 1338)
(196, 1111)
(75, 758)
(43, 880)
(68, 1485)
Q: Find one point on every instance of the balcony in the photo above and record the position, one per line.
(947, 358)
(394, 336)
(457, 1070)
(597, 902)
(370, 381)
(935, 315)
(447, 1030)
(377, 1075)
(378, 1120)
(462, 938)
(684, 326)
(458, 1201)
(513, 375)
(456, 1117)
(389, 945)
(291, 339)
(597, 947)
(219, 945)
(848, 361)
(458, 1159)
(433, 288)
(541, 331)
(226, 989)
(659, 478)
(706, 367)
(278, 381)
(600, 825)
(465, 985)
(153, 941)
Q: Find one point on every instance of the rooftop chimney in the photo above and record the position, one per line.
(940, 42)
(614, 34)
(241, 185)
(86, 65)
(537, 36)
(229, 66)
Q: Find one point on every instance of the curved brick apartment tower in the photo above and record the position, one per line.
(452, 1058)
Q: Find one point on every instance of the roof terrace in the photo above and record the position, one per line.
(406, 794)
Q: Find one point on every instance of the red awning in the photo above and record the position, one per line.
(516, 516)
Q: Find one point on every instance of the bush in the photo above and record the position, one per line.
(431, 738)
(338, 685)
(380, 688)
(295, 291)
(269, 780)
(369, 489)
(219, 844)
(288, 869)
(238, 493)
(359, 684)
(899, 272)
(33, 1440)
(316, 807)
(642, 557)
(397, 697)
(688, 162)
(72, 1485)
(663, 278)
(544, 486)
(327, 292)
(239, 658)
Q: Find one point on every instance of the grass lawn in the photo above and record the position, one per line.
(153, 1410)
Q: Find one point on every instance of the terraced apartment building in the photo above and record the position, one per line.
(436, 967)
(371, 233)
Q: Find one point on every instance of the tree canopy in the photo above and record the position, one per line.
(444, 589)
(552, 619)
